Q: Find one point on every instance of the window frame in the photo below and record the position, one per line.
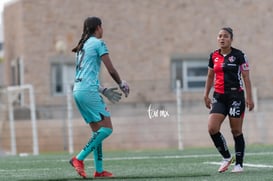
(187, 62)
(65, 64)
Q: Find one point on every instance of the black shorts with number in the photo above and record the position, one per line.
(232, 104)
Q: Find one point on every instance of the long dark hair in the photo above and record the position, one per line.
(89, 27)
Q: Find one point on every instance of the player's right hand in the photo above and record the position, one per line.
(207, 102)
(112, 95)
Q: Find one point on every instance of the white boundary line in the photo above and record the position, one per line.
(162, 157)
(245, 164)
(180, 156)
(165, 157)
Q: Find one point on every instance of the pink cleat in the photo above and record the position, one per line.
(225, 164)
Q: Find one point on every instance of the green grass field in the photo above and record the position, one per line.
(190, 164)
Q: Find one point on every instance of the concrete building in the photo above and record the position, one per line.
(152, 43)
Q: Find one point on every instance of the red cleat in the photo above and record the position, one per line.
(103, 174)
(79, 166)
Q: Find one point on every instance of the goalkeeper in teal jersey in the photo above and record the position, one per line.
(90, 52)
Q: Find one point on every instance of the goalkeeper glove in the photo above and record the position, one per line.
(124, 87)
(111, 94)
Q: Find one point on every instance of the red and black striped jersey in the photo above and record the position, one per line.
(228, 70)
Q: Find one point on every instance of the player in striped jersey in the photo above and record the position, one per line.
(227, 66)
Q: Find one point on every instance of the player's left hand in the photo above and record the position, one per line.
(250, 104)
(124, 87)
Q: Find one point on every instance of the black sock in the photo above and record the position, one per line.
(221, 145)
(239, 149)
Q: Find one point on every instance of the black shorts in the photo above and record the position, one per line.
(232, 104)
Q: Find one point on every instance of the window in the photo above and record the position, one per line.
(62, 78)
(191, 72)
(57, 78)
(62, 75)
(17, 67)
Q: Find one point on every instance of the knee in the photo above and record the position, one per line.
(236, 132)
(214, 123)
(106, 130)
(213, 130)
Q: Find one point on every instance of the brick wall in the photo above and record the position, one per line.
(141, 35)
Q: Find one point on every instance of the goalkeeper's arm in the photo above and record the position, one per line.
(123, 85)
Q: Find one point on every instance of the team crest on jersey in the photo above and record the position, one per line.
(231, 59)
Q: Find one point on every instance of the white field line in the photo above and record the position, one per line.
(245, 164)
(155, 157)
(181, 156)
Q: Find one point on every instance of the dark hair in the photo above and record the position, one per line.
(89, 27)
(229, 30)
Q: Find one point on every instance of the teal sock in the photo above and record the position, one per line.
(98, 156)
(94, 141)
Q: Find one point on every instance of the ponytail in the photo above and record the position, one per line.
(89, 27)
